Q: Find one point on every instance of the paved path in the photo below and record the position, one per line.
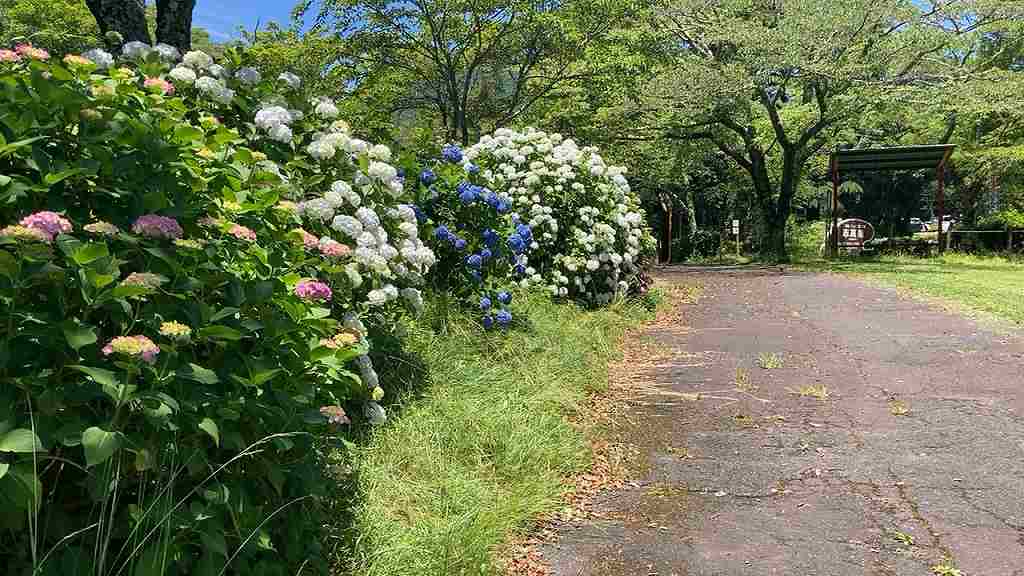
(764, 482)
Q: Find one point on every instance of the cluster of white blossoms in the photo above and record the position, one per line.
(589, 231)
(364, 212)
(275, 120)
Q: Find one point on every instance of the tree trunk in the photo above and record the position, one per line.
(126, 17)
(174, 23)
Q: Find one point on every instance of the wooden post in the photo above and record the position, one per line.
(942, 202)
(1009, 240)
(668, 252)
(834, 224)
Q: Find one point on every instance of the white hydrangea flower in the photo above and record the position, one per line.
(375, 413)
(197, 60)
(292, 80)
(167, 52)
(182, 75)
(101, 58)
(347, 225)
(136, 50)
(267, 118)
(380, 152)
(326, 109)
(320, 150)
(280, 133)
(382, 172)
(248, 75)
(216, 70)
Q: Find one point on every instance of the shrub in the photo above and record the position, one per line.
(175, 346)
(590, 237)
(481, 245)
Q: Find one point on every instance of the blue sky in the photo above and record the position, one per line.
(223, 17)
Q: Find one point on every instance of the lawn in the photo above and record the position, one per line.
(987, 283)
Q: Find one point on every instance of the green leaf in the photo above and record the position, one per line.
(185, 133)
(89, 253)
(210, 427)
(99, 445)
(199, 374)
(78, 335)
(101, 376)
(8, 264)
(55, 177)
(21, 441)
(218, 332)
(4, 180)
(4, 467)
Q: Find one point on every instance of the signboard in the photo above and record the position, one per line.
(854, 233)
(735, 226)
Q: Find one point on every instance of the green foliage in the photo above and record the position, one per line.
(1011, 219)
(467, 464)
(60, 26)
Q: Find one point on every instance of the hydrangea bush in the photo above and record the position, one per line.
(480, 244)
(187, 255)
(590, 238)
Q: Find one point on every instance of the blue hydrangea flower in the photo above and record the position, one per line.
(421, 216)
(472, 168)
(492, 199)
(460, 244)
(428, 177)
(485, 254)
(503, 207)
(504, 317)
(491, 238)
(524, 232)
(485, 303)
(452, 153)
(516, 244)
(474, 261)
(442, 233)
(400, 173)
(468, 196)
(488, 322)
(520, 269)
(477, 277)
(504, 298)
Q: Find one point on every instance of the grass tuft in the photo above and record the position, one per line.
(482, 444)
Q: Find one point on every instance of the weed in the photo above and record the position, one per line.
(946, 568)
(771, 361)
(743, 382)
(902, 537)
(899, 408)
(819, 391)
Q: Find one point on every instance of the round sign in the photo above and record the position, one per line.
(854, 232)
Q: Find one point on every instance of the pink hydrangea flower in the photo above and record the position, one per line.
(333, 249)
(24, 234)
(49, 223)
(156, 226)
(309, 241)
(242, 233)
(313, 290)
(160, 85)
(133, 346)
(9, 56)
(335, 414)
(32, 52)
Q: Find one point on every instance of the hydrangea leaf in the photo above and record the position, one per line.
(21, 441)
(99, 445)
(210, 427)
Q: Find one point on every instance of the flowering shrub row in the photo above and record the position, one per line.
(188, 253)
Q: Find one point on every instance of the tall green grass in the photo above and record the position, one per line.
(482, 444)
